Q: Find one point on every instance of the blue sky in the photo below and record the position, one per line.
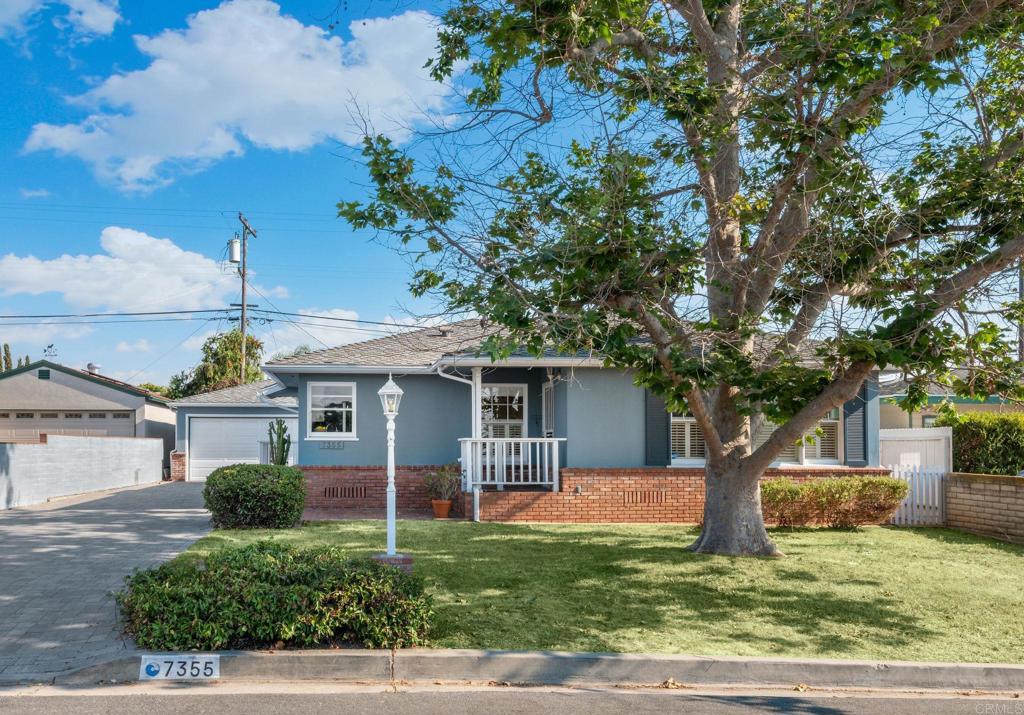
(131, 134)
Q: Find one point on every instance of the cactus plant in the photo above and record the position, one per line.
(280, 442)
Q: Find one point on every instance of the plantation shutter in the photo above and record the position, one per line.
(657, 431)
(855, 430)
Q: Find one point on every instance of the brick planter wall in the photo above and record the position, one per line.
(986, 504)
(365, 487)
(645, 495)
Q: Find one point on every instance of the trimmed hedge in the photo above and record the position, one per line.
(255, 496)
(986, 442)
(269, 594)
(842, 502)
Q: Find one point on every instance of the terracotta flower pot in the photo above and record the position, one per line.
(441, 507)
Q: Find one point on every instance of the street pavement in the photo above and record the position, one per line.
(60, 565)
(313, 699)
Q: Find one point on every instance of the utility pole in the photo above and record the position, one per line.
(247, 231)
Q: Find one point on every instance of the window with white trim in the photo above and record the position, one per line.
(503, 411)
(121, 415)
(817, 448)
(331, 410)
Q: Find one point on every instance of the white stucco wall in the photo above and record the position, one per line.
(65, 465)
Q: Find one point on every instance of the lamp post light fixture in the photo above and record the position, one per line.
(390, 397)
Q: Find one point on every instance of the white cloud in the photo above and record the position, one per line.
(139, 346)
(41, 333)
(34, 193)
(197, 341)
(86, 18)
(244, 74)
(134, 271)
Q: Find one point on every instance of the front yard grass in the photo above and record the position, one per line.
(902, 594)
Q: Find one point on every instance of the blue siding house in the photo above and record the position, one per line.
(512, 422)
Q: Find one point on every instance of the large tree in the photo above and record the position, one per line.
(220, 367)
(751, 204)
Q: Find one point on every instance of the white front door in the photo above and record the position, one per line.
(219, 441)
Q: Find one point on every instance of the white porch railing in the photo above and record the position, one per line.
(511, 461)
(925, 504)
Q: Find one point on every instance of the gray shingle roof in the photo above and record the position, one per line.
(415, 348)
(245, 395)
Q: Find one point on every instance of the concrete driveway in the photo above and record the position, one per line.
(60, 564)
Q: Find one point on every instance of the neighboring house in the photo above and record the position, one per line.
(229, 426)
(892, 388)
(520, 423)
(45, 397)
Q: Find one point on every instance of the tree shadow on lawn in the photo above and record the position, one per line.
(547, 588)
(952, 537)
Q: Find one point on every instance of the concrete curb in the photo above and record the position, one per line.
(554, 668)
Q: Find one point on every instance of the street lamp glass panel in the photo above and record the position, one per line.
(390, 397)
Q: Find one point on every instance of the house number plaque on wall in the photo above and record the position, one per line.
(332, 444)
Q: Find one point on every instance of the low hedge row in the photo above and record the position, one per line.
(255, 496)
(842, 502)
(273, 595)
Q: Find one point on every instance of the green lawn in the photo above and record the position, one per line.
(913, 594)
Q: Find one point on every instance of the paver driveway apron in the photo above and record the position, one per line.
(59, 566)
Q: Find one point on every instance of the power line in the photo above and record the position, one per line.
(119, 315)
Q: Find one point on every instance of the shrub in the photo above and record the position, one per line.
(272, 594)
(842, 502)
(986, 442)
(444, 484)
(255, 496)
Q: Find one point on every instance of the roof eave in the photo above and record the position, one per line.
(354, 369)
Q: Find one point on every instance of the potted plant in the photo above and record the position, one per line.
(442, 486)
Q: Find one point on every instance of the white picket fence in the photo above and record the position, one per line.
(925, 504)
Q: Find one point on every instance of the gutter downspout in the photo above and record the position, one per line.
(474, 385)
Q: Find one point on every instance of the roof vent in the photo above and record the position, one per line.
(444, 330)
(93, 368)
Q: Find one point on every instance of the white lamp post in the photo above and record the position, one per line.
(390, 397)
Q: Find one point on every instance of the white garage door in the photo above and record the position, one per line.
(219, 441)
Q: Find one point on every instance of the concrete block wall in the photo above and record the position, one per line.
(986, 504)
(62, 465)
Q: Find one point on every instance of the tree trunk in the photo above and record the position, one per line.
(733, 522)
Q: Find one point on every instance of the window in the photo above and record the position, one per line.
(5, 415)
(97, 415)
(687, 439)
(47, 415)
(121, 415)
(24, 415)
(503, 411)
(928, 420)
(331, 410)
(688, 442)
(43, 374)
(72, 415)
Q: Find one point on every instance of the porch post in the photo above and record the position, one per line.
(478, 449)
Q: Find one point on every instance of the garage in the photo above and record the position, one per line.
(219, 441)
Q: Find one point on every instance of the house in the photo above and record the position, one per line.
(893, 387)
(532, 433)
(230, 426)
(45, 397)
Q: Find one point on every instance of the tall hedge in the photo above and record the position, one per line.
(987, 442)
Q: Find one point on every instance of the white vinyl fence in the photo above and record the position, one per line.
(925, 504)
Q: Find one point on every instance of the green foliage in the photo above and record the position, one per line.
(444, 484)
(280, 442)
(153, 387)
(271, 595)
(842, 502)
(255, 496)
(221, 366)
(8, 364)
(986, 442)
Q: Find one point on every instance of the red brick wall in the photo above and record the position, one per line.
(179, 466)
(364, 487)
(642, 495)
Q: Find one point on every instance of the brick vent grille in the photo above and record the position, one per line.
(352, 492)
(643, 497)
